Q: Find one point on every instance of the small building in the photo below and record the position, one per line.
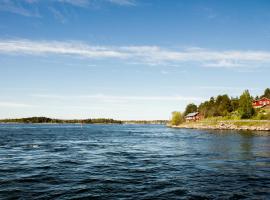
(193, 116)
(261, 103)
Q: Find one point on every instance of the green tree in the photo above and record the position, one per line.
(191, 108)
(266, 93)
(235, 103)
(245, 105)
(177, 118)
(223, 105)
(203, 108)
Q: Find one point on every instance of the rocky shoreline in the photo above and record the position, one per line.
(222, 126)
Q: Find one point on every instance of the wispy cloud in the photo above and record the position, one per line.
(152, 55)
(87, 3)
(80, 3)
(58, 15)
(224, 63)
(103, 97)
(18, 8)
(54, 47)
(31, 8)
(14, 105)
(123, 2)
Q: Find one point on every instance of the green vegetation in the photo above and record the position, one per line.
(220, 106)
(262, 114)
(49, 120)
(224, 107)
(266, 93)
(35, 120)
(246, 110)
(190, 108)
(223, 123)
(257, 123)
(233, 108)
(177, 118)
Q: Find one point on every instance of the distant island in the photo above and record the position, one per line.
(42, 120)
(223, 112)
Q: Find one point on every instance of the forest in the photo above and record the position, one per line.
(36, 120)
(50, 120)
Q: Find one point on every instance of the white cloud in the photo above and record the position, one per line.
(14, 105)
(31, 8)
(80, 3)
(224, 63)
(58, 15)
(151, 55)
(86, 3)
(54, 47)
(16, 8)
(111, 98)
(123, 2)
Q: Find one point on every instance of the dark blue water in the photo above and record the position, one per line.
(131, 162)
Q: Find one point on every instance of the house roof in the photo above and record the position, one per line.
(192, 114)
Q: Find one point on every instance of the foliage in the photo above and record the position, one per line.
(222, 105)
(266, 93)
(231, 108)
(190, 108)
(262, 114)
(177, 118)
(49, 120)
(245, 105)
(83, 121)
(235, 103)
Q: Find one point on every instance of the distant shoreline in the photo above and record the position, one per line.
(124, 123)
(45, 120)
(82, 123)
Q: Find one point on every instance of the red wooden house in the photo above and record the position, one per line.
(261, 103)
(193, 116)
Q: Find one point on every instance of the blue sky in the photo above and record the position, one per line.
(128, 59)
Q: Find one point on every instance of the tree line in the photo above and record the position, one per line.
(50, 120)
(227, 107)
(35, 120)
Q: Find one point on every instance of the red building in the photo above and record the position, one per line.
(261, 102)
(193, 116)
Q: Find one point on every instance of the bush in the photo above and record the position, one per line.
(262, 116)
(177, 118)
(245, 105)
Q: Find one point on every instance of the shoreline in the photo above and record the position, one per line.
(239, 125)
(124, 123)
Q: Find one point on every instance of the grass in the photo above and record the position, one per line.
(215, 121)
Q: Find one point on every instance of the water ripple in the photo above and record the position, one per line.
(131, 162)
